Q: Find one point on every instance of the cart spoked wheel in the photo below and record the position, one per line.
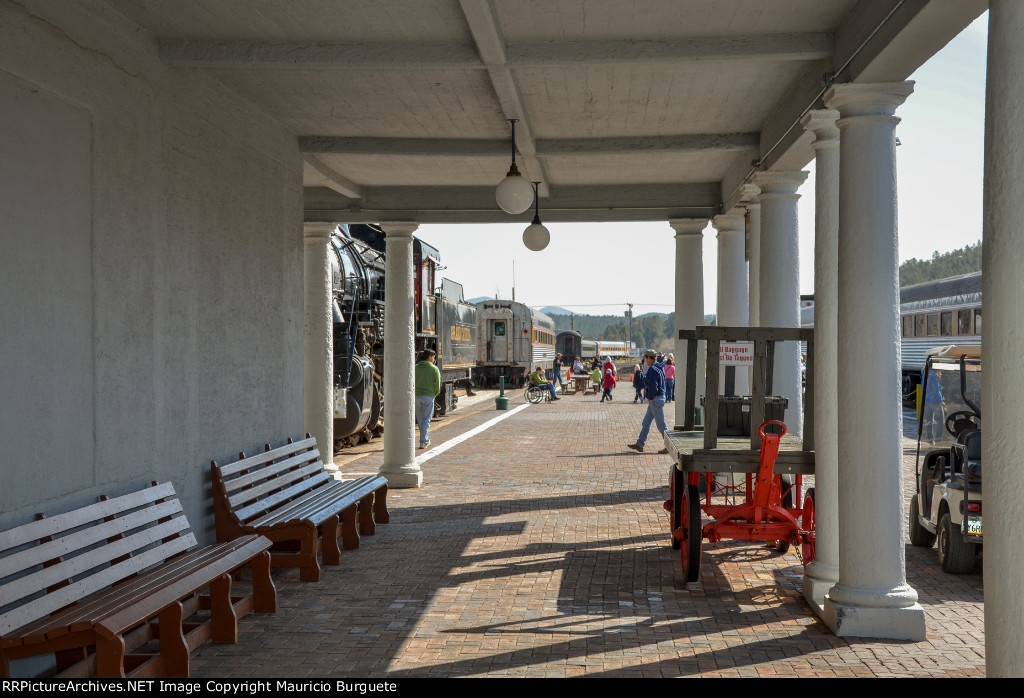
(689, 547)
(807, 524)
(674, 504)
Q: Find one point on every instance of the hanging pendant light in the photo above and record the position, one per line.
(536, 237)
(513, 193)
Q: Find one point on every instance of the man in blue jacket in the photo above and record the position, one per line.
(654, 392)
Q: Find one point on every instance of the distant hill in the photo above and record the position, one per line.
(941, 266)
(555, 310)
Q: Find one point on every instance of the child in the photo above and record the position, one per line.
(638, 383)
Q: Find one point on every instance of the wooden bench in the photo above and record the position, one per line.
(117, 575)
(288, 496)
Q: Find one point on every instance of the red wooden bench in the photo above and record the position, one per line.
(96, 586)
(288, 496)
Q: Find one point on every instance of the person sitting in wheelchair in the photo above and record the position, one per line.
(537, 379)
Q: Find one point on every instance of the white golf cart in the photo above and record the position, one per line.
(947, 504)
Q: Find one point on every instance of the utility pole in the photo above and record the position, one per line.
(629, 316)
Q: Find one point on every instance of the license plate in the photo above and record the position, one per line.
(974, 527)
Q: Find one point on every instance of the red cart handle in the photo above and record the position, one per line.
(760, 429)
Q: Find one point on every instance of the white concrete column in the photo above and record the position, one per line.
(872, 597)
(689, 302)
(731, 308)
(780, 282)
(750, 199)
(1002, 381)
(319, 338)
(821, 574)
(399, 465)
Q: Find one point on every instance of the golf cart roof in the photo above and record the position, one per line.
(971, 351)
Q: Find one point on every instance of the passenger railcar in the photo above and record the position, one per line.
(571, 343)
(932, 314)
(513, 340)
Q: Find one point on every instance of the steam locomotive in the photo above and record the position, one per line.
(443, 322)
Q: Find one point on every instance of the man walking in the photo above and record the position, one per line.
(557, 366)
(654, 392)
(428, 385)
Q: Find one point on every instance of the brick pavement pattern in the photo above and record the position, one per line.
(540, 548)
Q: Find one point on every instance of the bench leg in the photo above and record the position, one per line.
(380, 506)
(349, 535)
(5, 665)
(264, 594)
(329, 541)
(366, 525)
(222, 613)
(68, 658)
(310, 565)
(173, 647)
(110, 657)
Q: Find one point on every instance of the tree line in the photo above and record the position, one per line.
(651, 330)
(941, 266)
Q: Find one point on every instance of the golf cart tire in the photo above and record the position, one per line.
(955, 554)
(919, 535)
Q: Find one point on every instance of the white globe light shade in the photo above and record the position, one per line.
(514, 194)
(536, 237)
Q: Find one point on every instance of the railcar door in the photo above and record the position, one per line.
(497, 347)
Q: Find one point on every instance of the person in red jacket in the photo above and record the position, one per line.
(609, 380)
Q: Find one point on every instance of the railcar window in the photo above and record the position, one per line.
(908, 325)
(977, 321)
(499, 329)
(963, 324)
(919, 326)
(933, 324)
(946, 324)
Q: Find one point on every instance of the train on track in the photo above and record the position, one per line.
(572, 343)
(443, 322)
(932, 314)
(514, 340)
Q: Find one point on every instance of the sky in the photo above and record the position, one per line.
(939, 192)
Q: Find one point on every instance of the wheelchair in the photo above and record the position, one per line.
(537, 393)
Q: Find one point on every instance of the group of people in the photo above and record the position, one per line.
(639, 384)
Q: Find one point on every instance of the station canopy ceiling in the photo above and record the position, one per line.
(628, 110)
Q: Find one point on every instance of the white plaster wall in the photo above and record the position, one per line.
(151, 273)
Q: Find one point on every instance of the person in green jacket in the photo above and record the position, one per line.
(428, 385)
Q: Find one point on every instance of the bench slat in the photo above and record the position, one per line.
(329, 503)
(54, 525)
(285, 480)
(60, 547)
(278, 498)
(290, 510)
(33, 610)
(273, 470)
(273, 454)
(223, 562)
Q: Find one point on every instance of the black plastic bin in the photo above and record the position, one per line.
(734, 414)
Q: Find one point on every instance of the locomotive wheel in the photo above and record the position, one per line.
(689, 546)
(807, 524)
(675, 497)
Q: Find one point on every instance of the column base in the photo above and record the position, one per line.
(815, 591)
(404, 479)
(846, 620)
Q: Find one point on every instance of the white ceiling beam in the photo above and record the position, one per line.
(327, 177)
(566, 201)
(769, 47)
(545, 148)
(490, 52)
(483, 25)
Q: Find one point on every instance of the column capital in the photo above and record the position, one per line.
(779, 183)
(398, 229)
(822, 123)
(688, 226)
(735, 221)
(868, 99)
(750, 195)
(318, 232)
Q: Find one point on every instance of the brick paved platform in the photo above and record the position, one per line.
(539, 548)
